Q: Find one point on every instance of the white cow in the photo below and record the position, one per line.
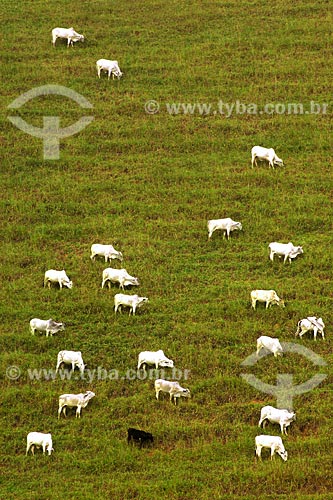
(120, 276)
(268, 296)
(274, 443)
(156, 358)
(106, 251)
(48, 326)
(69, 33)
(264, 154)
(270, 344)
(40, 440)
(286, 250)
(131, 301)
(74, 400)
(311, 323)
(173, 388)
(276, 416)
(53, 276)
(111, 67)
(73, 358)
(226, 225)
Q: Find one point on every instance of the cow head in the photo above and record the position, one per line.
(278, 162)
(166, 363)
(116, 72)
(81, 367)
(77, 37)
(56, 327)
(49, 447)
(131, 281)
(283, 454)
(237, 225)
(279, 302)
(142, 300)
(87, 397)
(320, 321)
(292, 416)
(118, 256)
(185, 393)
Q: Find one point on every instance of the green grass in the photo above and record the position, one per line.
(148, 184)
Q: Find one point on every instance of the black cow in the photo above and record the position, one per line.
(138, 436)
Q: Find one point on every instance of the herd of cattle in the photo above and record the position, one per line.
(111, 67)
(288, 251)
(157, 359)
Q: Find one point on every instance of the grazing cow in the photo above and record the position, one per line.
(137, 436)
(74, 400)
(73, 358)
(39, 440)
(274, 443)
(276, 416)
(311, 323)
(226, 225)
(286, 250)
(131, 301)
(120, 276)
(49, 326)
(156, 358)
(69, 33)
(111, 67)
(173, 388)
(53, 276)
(268, 296)
(264, 154)
(270, 344)
(106, 251)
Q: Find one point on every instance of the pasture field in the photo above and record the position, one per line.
(148, 183)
